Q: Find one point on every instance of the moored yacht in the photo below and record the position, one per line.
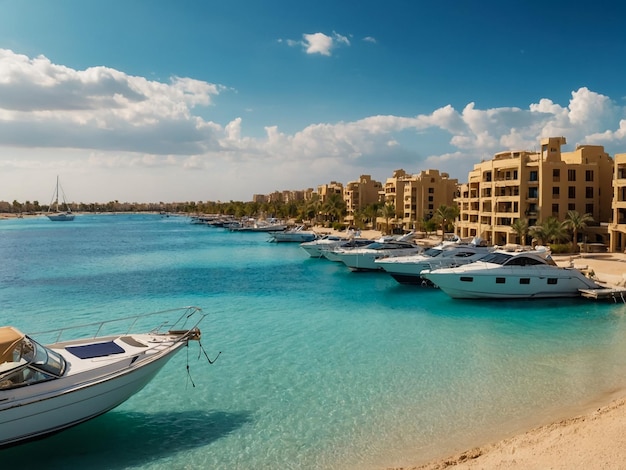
(363, 259)
(315, 248)
(510, 275)
(407, 269)
(296, 234)
(48, 388)
(333, 253)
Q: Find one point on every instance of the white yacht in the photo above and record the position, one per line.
(407, 269)
(363, 259)
(510, 275)
(315, 248)
(45, 389)
(296, 234)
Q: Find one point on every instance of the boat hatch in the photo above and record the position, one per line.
(89, 351)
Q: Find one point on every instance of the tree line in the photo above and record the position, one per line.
(331, 213)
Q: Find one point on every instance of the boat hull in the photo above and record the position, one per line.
(366, 261)
(286, 237)
(45, 410)
(61, 217)
(508, 286)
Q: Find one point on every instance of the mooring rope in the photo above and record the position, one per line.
(205, 355)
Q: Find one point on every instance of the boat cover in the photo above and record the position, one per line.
(9, 339)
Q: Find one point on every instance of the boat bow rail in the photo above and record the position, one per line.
(182, 321)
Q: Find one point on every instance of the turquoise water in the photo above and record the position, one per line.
(321, 368)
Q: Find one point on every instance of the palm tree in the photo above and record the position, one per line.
(359, 218)
(334, 207)
(575, 222)
(549, 231)
(388, 212)
(371, 211)
(444, 216)
(520, 227)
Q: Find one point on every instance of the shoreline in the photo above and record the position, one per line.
(592, 439)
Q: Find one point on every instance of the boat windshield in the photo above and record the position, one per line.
(29, 362)
(432, 252)
(496, 258)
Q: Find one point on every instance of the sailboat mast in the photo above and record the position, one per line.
(56, 202)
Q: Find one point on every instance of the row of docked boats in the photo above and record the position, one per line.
(463, 270)
(278, 230)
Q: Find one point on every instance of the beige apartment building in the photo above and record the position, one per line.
(359, 194)
(536, 185)
(325, 190)
(417, 197)
(617, 227)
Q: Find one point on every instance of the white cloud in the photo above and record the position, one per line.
(319, 43)
(100, 123)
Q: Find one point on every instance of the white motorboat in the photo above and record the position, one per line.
(252, 225)
(297, 235)
(329, 252)
(407, 269)
(45, 389)
(54, 212)
(510, 275)
(363, 259)
(315, 248)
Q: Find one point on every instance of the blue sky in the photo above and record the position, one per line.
(202, 100)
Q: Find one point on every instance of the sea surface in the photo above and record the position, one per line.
(320, 368)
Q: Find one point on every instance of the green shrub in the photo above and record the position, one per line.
(560, 248)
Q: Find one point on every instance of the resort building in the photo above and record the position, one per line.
(326, 190)
(417, 197)
(423, 194)
(359, 194)
(617, 227)
(534, 186)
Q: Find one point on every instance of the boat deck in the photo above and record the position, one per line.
(605, 293)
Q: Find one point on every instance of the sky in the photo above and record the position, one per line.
(199, 100)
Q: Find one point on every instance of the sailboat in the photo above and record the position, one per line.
(54, 213)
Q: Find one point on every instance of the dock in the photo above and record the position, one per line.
(605, 293)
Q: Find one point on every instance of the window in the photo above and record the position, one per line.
(571, 175)
(589, 208)
(589, 175)
(555, 210)
(500, 280)
(571, 192)
(532, 193)
(430, 199)
(556, 174)
(467, 279)
(571, 207)
(524, 280)
(431, 190)
(589, 192)
(533, 176)
(555, 192)
(552, 280)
